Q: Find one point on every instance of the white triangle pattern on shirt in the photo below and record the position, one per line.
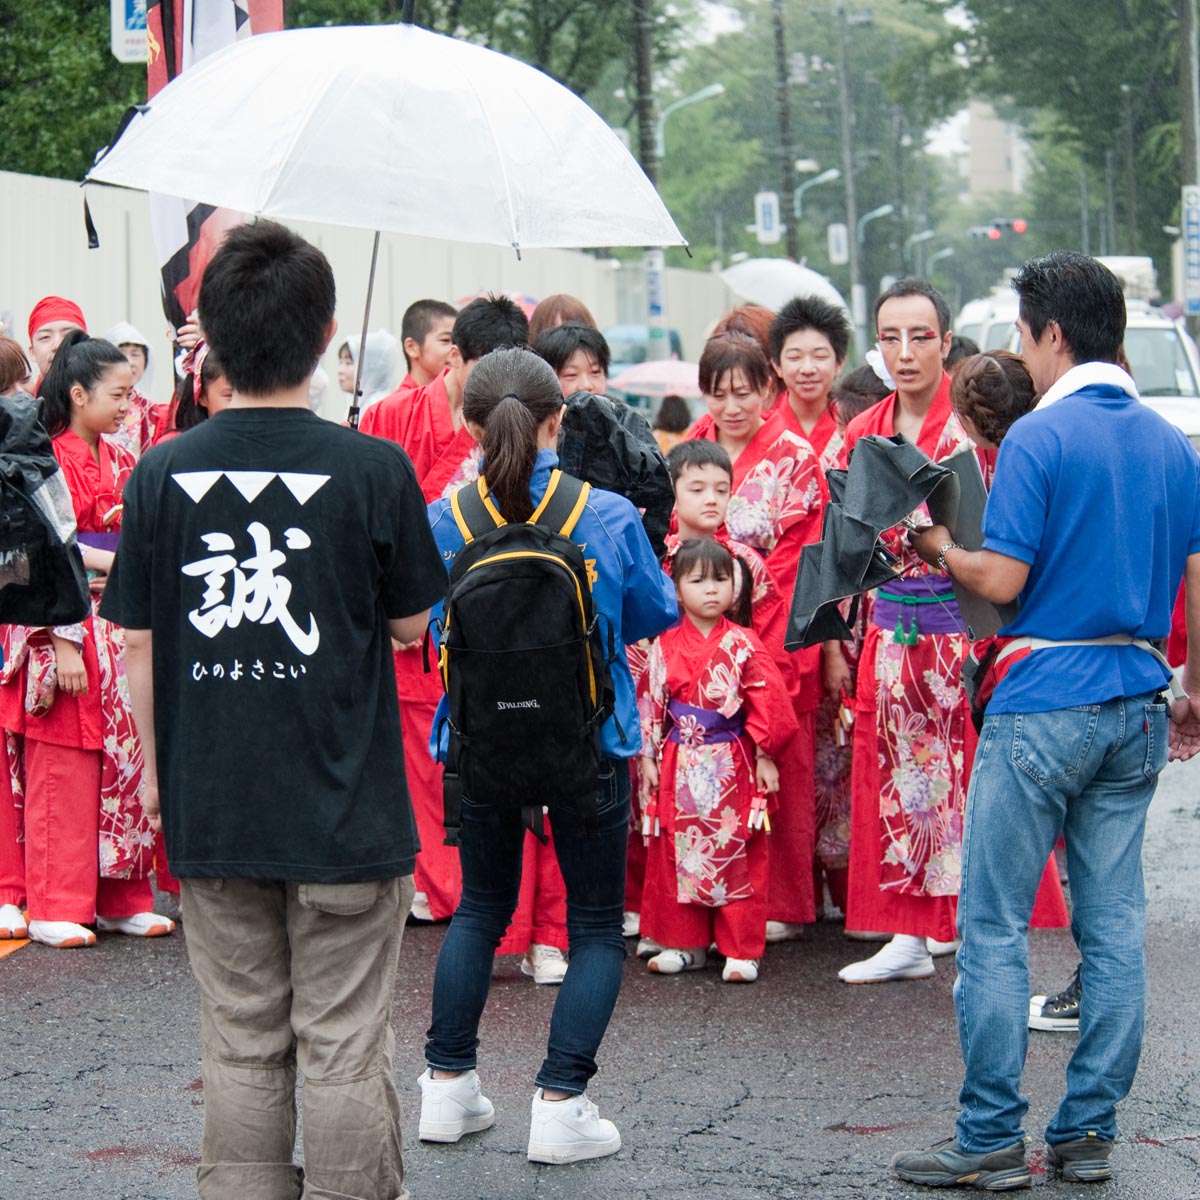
(302, 485)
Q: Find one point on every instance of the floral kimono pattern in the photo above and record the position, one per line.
(915, 692)
(711, 699)
(138, 429)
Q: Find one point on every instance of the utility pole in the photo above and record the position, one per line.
(858, 299)
(1085, 219)
(643, 64)
(1110, 202)
(1189, 80)
(783, 107)
(1131, 212)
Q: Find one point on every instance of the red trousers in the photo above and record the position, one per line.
(793, 832)
(62, 832)
(739, 929)
(438, 873)
(12, 834)
(541, 915)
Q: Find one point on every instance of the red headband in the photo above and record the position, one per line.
(54, 308)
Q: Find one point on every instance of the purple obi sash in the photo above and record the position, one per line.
(912, 607)
(99, 541)
(697, 726)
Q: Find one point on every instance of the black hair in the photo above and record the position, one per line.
(81, 360)
(487, 324)
(510, 393)
(716, 561)
(917, 287)
(557, 345)
(187, 412)
(1082, 295)
(697, 452)
(811, 312)
(418, 320)
(856, 391)
(960, 348)
(728, 352)
(266, 304)
(673, 415)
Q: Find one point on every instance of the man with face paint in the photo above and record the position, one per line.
(913, 737)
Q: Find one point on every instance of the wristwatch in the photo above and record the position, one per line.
(941, 557)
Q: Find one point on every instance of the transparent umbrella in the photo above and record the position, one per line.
(772, 282)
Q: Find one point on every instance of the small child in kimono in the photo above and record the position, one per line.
(717, 716)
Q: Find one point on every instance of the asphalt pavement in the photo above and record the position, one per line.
(797, 1086)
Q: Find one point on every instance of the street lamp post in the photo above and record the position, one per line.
(798, 195)
(915, 240)
(938, 255)
(884, 210)
(706, 93)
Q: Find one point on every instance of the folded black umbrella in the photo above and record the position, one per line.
(888, 479)
(609, 445)
(42, 579)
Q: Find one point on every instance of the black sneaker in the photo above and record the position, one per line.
(1084, 1160)
(1059, 1012)
(945, 1165)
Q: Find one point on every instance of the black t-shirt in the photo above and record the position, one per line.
(265, 550)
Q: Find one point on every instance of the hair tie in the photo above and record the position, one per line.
(511, 396)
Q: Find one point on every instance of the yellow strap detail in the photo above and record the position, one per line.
(482, 488)
(551, 488)
(577, 512)
(459, 519)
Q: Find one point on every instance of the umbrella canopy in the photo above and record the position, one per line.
(664, 377)
(391, 128)
(772, 282)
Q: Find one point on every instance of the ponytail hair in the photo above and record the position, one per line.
(510, 393)
(993, 390)
(81, 360)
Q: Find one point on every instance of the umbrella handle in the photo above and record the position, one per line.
(352, 418)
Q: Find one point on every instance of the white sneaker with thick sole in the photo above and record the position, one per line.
(143, 924)
(786, 931)
(672, 962)
(631, 924)
(545, 964)
(647, 947)
(941, 949)
(904, 957)
(62, 935)
(12, 922)
(740, 970)
(420, 909)
(452, 1108)
(571, 1130)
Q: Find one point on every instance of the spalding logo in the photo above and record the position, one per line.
(501, 705)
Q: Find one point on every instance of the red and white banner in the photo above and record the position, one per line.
(178, 34)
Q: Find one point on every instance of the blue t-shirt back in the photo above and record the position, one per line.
(1101, 497)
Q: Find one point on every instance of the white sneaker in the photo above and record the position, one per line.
(785, 931)
(740, 970)
(143, 924)
(62, 935)
(572, 1130)
(903, 957)
(420, 907)
(672, 962)
(866, 935)
(451, 1108)
(941, 949)
(12, 922)
(647, 947)
(631, 924)
(546, 964)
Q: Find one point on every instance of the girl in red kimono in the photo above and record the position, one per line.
(88, 845)
(777, 506)
(718, 716)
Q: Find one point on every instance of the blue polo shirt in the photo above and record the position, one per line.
(1101, 497)
(633, 592)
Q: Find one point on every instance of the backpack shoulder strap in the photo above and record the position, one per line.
(473, 510)
(562, 505)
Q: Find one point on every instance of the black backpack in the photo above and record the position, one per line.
(523, 660)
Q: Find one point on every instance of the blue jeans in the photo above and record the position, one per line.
(593, 868)
(1089, 772)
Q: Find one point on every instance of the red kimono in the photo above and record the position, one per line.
(444, 459)
(913, 742)
(777, 507)
(83, 760)
(713, 699)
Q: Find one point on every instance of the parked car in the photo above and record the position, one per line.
(990, 322)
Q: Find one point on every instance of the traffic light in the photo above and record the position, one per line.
(1016, 224)
(994, 234)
